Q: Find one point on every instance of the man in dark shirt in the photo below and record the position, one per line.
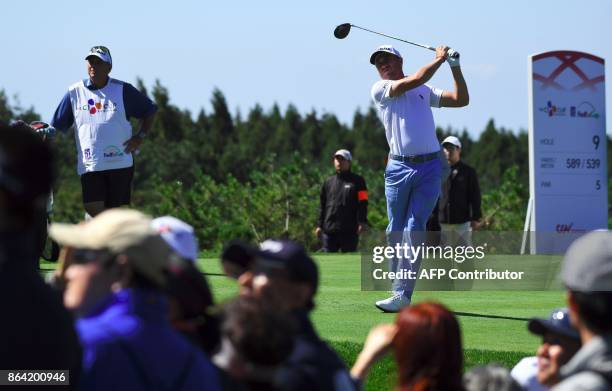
(284, 276)
(344, 207)
(459, 205)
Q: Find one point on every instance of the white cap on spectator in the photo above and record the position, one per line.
(345, 153)
(452, 140)
(179, 235)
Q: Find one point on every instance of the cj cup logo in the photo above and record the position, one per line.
(553, 110)
(103, 105)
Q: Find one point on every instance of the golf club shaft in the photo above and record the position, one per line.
(397, 39)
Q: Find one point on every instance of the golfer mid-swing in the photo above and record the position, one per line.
(412, 175)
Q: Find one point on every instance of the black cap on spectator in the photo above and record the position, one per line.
(289, 259)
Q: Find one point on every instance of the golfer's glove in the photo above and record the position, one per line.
(452, 61)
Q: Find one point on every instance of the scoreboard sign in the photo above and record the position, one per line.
(567, 148)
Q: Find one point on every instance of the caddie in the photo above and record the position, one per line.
(100, 108)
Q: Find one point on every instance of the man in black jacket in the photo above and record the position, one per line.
(459, 204)
(344, 207)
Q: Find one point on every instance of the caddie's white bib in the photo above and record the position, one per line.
(101, 127)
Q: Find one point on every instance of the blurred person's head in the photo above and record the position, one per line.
(560, 341)
(256, 340)
(428, 349)
(237, 257)
(190, 304)
(587, 275)
(179, 235)
(283, 275)
(26, 177)
(492, 377)
(115, 250)
(342, 160)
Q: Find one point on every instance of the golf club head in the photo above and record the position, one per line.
(342, 30)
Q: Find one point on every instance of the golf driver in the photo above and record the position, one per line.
(342, 31)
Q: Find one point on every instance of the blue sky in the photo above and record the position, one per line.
(280, 51)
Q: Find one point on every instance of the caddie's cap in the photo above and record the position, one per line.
(384, 49)
(587, 266)
(345, 153)
(101, 52)
(452, 140)
(179, 235)
(120, 231)
(557, 323)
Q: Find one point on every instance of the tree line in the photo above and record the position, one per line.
(258, 175)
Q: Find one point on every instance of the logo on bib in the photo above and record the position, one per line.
(103, 105)
(112, 152)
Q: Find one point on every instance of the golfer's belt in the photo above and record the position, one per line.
(415, 159)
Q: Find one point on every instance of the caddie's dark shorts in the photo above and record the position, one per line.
(113, 187)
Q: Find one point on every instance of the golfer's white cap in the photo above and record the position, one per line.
(178, 235)
(452, 140)
(345, 153)
(386, 49)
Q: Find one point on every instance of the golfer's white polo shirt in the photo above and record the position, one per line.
(407, 118)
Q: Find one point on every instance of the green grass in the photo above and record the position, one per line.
(493, 323)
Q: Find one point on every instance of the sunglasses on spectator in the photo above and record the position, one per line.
(84, 256)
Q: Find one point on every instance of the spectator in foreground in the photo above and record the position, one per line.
(237, 257)
(36, 331)
(114, 282)
(492, 377)
(285, 277)
(426, 342)
(587, 275)
(256, 342)
(191, 299)
(560, 341)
